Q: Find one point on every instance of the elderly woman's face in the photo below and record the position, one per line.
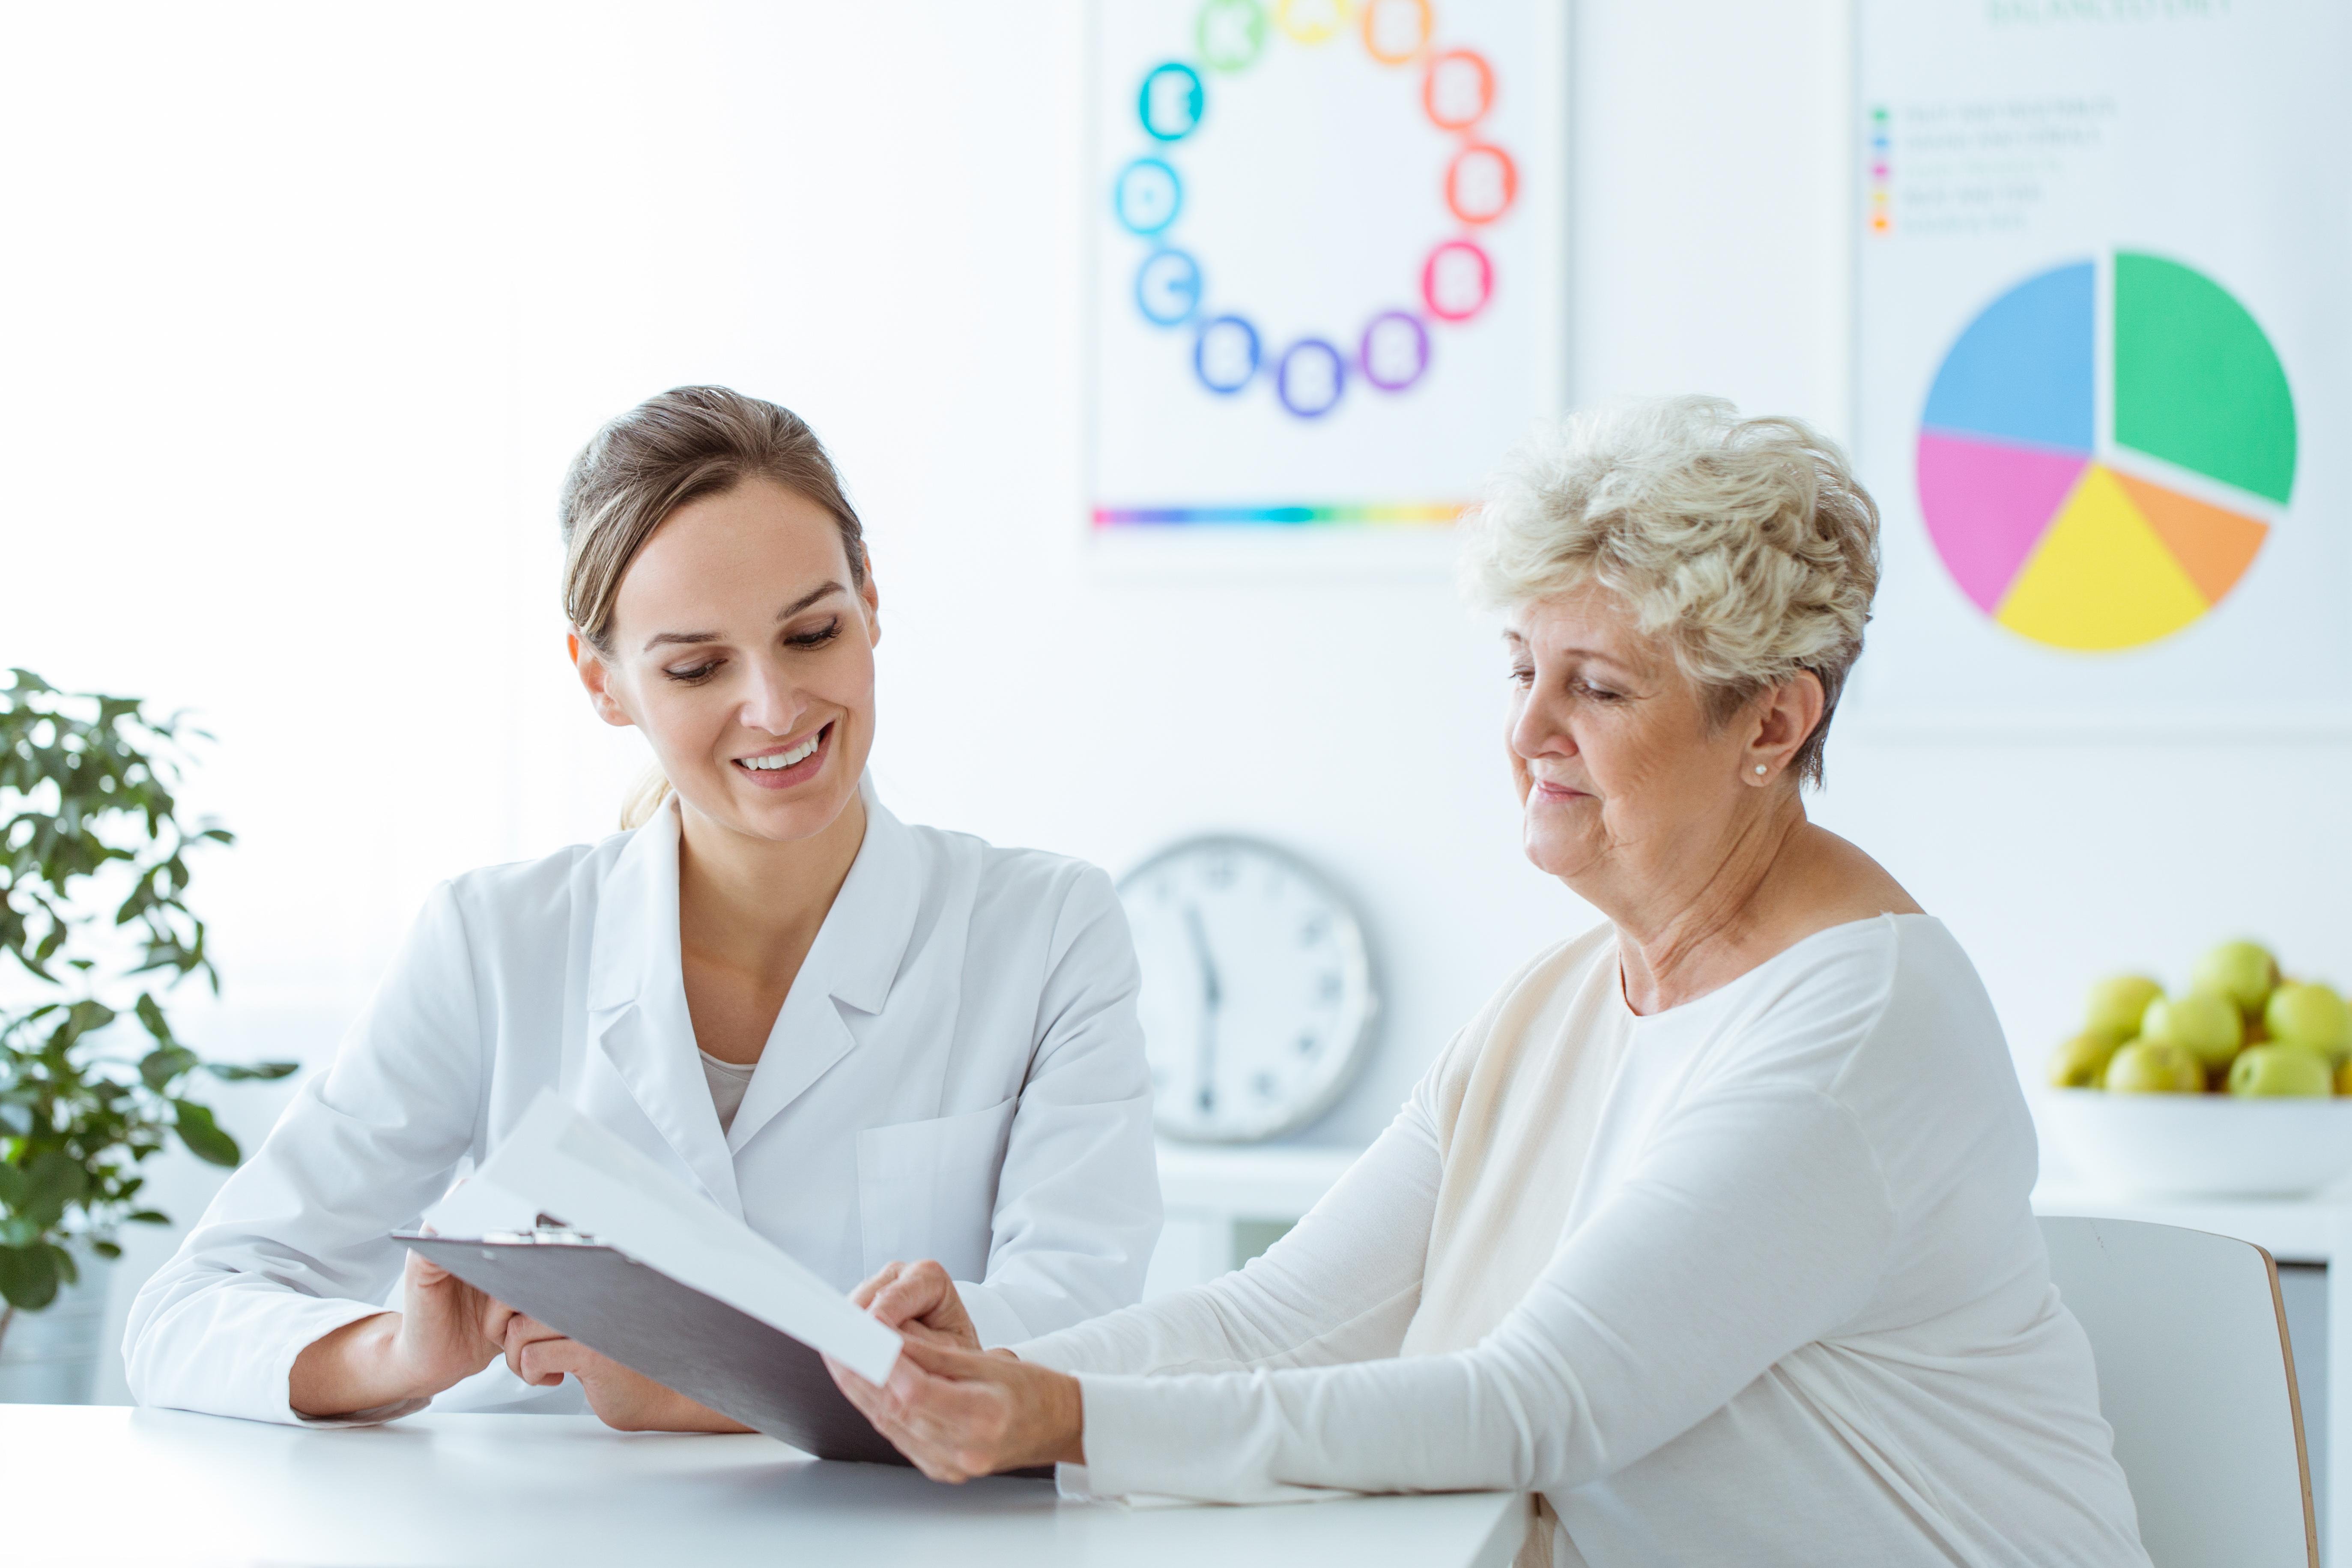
(1609, 741)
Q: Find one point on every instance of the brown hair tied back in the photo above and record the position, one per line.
(688, 443)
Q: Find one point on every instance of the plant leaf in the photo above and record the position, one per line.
(151, 1015)
(159, 1067)
(53, 1181)
(239, 1072)
(106, 1249)
(202, 1135)
(149, 1216)
(28, 1276)
(67, 1269)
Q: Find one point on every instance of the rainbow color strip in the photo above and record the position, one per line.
(1881, 197)
(1436, 516)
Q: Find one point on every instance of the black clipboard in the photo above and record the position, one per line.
(671, 1332)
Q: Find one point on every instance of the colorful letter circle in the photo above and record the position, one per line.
(1393, 350)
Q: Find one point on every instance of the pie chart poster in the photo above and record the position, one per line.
(2103, 341)
(1324, 243)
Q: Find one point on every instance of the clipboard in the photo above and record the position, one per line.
(655, 1276)
(669, 1332)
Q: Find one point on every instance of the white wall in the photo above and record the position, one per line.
(315, 303)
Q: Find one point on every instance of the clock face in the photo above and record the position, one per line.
(1258, 997)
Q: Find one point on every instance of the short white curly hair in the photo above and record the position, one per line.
(1746, 544)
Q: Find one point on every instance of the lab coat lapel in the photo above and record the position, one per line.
(637, 1016)
(851, 964)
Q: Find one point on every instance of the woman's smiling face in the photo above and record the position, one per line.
(743, 648)
(1611, 743)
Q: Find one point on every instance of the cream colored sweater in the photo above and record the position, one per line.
(1750, 1281)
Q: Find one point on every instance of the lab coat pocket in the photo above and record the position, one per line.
(927, 1189)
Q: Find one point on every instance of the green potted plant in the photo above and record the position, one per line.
(88, 813)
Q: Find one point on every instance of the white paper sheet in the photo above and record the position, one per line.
(559, 1163)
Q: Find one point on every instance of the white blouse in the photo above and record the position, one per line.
(728, 1082)
(1799, 1309)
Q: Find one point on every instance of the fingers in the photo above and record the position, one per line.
(945, 1360)
(855, 1389)
(425, 1285)
(879, 1407)
(913, 1294)
(864, 1295)
(951, 1430)
(522, 1332)
(543, 1363)
(919, 1299)
(496, 1316)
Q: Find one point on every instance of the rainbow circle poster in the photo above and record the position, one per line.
(1324, 248)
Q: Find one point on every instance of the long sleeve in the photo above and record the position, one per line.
(1077, 1196)
(1756, 1222)
(1340, 1287)
(295, 1246)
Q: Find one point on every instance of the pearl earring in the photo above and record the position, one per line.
(1759, 767)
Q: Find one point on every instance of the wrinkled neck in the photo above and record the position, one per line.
(1685, 926)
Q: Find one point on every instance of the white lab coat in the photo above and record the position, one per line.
(958, 1073)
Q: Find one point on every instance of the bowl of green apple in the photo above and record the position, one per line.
(2237, 1085)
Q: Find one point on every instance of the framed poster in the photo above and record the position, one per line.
(2103, 345)
(1325, 246)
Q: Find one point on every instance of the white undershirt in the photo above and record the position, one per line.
(1798, 1312)
(728, 1081)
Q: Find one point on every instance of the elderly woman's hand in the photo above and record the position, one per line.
(957, 1413)
(919, 1301)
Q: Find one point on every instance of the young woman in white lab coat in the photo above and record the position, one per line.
(870, 1041)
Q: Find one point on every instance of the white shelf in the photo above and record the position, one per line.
(1248, 1182)
(2292, 1230)
(1223, 1203)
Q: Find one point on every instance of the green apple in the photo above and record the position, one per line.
(2078, 1063)
(2261, 1071)
(2116, 1004)
(2244, 972)
(2207, 1026)
(2343, 1077)
(2311, 1016)
(2153, 1067)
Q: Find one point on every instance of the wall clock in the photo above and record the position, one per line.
(1259, 990)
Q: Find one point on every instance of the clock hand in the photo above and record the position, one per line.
(1212, 998)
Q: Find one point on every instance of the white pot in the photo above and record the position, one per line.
(2202, 1145)
(50, 1357)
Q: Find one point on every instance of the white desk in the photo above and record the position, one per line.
(107, 1484)
(2292, 1230)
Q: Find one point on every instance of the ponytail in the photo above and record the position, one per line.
(644, 798)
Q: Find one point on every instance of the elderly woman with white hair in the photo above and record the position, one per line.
(1711, 1227)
